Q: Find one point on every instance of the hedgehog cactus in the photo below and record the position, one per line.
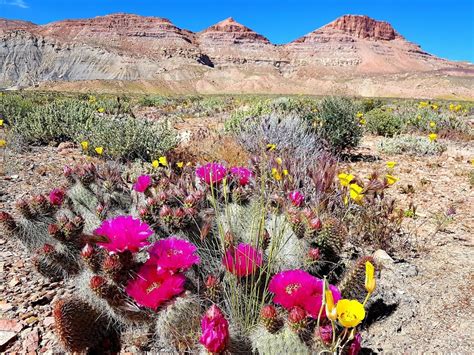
(285, 341)
(7, 223)
(81, 328)
(330, 239)
(270, 319)
(352, 284)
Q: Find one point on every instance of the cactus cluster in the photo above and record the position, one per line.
(131, 249)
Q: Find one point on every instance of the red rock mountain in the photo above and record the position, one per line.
(354, 54)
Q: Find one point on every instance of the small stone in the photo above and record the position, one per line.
(382, 258)
(30, 344)
(48, 321)
(6, 338)
(10, 325)
(5, 307)
(13, 282)
(31, 320)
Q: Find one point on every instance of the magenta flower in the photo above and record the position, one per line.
(174, 254)
(124, 233)
(296, 198)
(241, 174)
(243, 260)
(298, 288)
(325, 333)
(211, 173)
(152, 287)
(356, 346)
(56, 197)
(215, 330)
(142, 184)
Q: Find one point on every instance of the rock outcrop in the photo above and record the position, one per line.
(227, 56)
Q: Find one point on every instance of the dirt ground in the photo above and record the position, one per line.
(434, 281)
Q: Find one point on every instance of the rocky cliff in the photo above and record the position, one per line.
(227, 56)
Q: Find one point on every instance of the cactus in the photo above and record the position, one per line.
(178, 325)
(54, 264)
(330, 239)
(79, 327)
(352, 285)
(270, 319)
(286, 341)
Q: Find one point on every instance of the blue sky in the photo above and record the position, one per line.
(442, 27)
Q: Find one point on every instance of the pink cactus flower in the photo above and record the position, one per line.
(298, 288)
(124, 233)
(241, 174)
(296, 198)
(211, 173)
(142, 184)
(243, 260)
(356, 346)
(152, 287)
(215, 330)
(325, 333)
(56, 197)
(173, 254)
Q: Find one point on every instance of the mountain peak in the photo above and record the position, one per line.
(364, 27)
(233, 28)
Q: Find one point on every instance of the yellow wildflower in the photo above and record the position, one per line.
(432, 124)
(359, 115)
(285, 172)
(423, 104)
(391, 179)
(418, 117)
(3, 143)
(350, 313)
(331, 311)
(355, 192)
(345, 179)
(163, 161)
(271, 147)
(85, 145)
(391, 164)
(457, 108)
(279, 160)
(101, 110)
(363, 121)
(434, 107)
(180, 164)
(276, 174)
(432, 137)
(369, 277)
(99, 150)
(451, 107)
(155, 163)
(1, 123)
(92, 99)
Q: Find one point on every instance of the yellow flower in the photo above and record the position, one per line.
(3, 143)
(472, 162)
(271, 147)
(355, 192)
(101, 110)
(331, 311)
(99, 150)
(163, 161)
(276, 175)
(85, 145)
(359, 115)
(180, 164)
(1, 123)
(432, 124)
(279, 160)
(345, 179)
(155, 163)
(285, 172)
(369, 277)
(451, 107)
(434, 107)
(423, 104)
(363, 121)
(432, 137)
(350, 313)
(418, 117)
(391, 179)
(391, 164)
(92, 99)
(457, 108)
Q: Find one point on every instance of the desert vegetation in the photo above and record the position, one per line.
(227, 224)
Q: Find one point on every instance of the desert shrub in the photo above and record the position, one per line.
(122, 137)
(239, 234)
(337, 123)
(383, 123)
(410, 145)
(367, 105)
(154, 101)
(13, 107)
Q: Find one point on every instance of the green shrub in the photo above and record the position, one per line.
(122, 137)
(367, 105)
(383, 122)
(337, 123)
(410, 145)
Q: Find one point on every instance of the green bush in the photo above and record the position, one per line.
(383, 122)
(337, 123)
(122, 137)
(410, 145)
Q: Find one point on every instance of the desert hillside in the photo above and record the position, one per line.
(354, 54)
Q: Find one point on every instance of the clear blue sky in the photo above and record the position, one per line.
(442, 27)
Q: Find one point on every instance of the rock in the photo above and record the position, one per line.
(31, 320)
(10, 325)
(31, 342)
(5, 307)
(382, 258)
(6, 338)
(66, 145)
(48, 321)
(13, 282)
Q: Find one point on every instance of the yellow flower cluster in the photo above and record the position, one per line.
(455, 108)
